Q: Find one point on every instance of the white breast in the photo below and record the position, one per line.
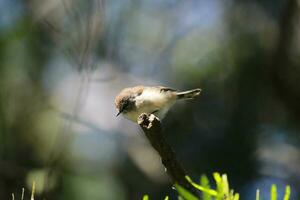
(151, 100)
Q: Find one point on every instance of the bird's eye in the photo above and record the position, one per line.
(124, 106)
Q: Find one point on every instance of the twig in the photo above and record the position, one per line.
(153, 131)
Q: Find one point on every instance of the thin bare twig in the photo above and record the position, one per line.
(151, 126)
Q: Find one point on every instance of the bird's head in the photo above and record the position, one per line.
(125, 101)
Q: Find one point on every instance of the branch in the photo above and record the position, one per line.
(153, 131)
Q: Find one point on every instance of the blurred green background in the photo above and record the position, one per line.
(62, 62)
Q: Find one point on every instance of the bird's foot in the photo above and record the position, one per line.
(146, 120)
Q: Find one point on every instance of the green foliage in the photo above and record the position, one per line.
(23, 193)
(204, 182)
(287, 193)
(221, 192)
(273, 192)
(145, 197)
(184, 193)
(257, 195)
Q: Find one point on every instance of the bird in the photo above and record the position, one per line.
(133, 101)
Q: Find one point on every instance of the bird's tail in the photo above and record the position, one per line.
(190, 94)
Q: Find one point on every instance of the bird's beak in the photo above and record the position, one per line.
(118, 114)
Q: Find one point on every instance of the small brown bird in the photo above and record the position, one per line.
(134, 101)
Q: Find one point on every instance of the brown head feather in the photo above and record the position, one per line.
(127, 93)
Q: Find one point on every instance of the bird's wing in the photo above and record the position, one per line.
(165, 89)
